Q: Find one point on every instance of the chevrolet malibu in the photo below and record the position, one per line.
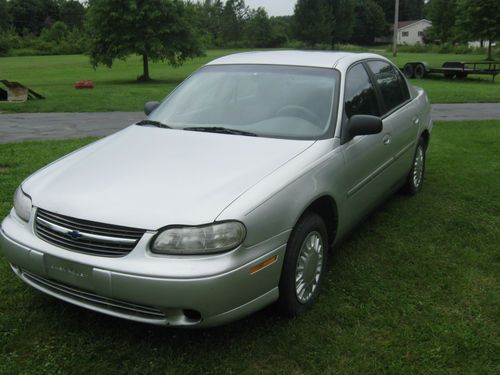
(228, 196)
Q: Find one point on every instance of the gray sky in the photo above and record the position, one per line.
(273, 7)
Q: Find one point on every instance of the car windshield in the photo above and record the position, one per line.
(259, 100)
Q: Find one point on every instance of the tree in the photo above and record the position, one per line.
(408, 9)
(369, 22)
(33, 15)
(159, 30)
(342, 20)
(479, 19)
(210, 14)
(313, 21)
(258, 28)
(234, 16)
(442, 13)
(72, 13)
(5, 18)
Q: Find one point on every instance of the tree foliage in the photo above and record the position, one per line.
(369, 22)
(158, 30)
(442, 13)
(408, 9)
(31, 16)
(72, 13)
(324, 21)
(313, 21)
(479, 19)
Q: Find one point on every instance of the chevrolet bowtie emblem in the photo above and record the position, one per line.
(74, 234)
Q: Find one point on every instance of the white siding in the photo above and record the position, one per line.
(413, 34)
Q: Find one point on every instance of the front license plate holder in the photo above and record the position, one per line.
(67, 272)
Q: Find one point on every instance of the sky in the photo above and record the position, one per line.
(273, 7)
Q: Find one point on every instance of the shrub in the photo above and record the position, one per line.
(8, 40)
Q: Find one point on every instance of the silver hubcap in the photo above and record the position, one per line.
(309, 267)
(418, 167)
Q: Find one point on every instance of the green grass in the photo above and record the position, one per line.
(414, 290)
(117, 90)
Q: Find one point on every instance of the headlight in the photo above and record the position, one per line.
(22, 204)
(206, 239)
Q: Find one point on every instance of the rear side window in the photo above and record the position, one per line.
(392, 86)
(360, 98)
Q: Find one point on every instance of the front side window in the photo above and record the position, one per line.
(392, 86)
(360, 98)
(268, 100)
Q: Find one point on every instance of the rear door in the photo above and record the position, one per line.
(399, 114)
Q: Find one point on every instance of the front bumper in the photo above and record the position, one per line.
(177, 291)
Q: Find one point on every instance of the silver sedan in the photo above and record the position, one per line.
(229, 195)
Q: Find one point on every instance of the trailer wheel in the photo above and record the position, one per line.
(419, 71)
(462, 75)
(408, 70)
(449, 75)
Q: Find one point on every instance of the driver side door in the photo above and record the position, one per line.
(366, 157)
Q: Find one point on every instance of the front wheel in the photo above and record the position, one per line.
(304, 265)
(415, 178)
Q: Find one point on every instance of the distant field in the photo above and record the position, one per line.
(415, 290)
(116, 89)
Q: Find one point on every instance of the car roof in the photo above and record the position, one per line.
(320, 59)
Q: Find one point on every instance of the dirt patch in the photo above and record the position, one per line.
(4, 168)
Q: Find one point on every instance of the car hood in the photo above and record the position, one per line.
(148, 177)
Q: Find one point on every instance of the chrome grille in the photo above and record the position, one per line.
(89, 298)
(86, 236)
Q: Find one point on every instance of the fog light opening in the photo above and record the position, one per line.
(192, 315)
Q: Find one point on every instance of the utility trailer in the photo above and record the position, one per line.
(451, 69)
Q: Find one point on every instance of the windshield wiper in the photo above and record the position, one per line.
(154, 123)
(220, 129)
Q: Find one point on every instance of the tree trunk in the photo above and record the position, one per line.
(145, 68)
(489, 50)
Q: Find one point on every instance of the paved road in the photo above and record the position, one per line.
(28, 126)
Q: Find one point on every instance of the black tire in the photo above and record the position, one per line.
(409, 71)
(308, 227)
(415, 178)
(419, 71)
(449, 75)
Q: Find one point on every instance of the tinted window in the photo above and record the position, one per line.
(360, 96)
(392, 86)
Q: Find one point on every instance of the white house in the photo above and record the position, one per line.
(412, 32)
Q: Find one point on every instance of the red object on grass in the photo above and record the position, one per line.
(84, 85)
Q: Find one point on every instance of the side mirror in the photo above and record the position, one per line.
(150, 107)
(363, 125)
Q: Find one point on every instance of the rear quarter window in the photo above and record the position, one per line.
(392, 85)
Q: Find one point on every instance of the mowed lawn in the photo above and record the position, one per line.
(116, 89)
(415, 289)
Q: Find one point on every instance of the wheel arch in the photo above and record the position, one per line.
(426, 137)
(326, 207)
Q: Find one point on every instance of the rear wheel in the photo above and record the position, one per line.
(415, 178)
(304, 265)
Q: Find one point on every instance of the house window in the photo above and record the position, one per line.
(405, 33)
(420, 33)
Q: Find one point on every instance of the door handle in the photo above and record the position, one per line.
(415, 120)
(387, 139)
